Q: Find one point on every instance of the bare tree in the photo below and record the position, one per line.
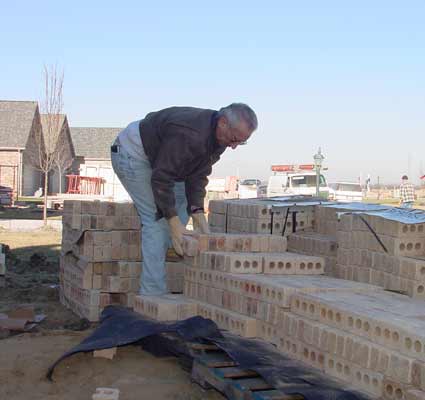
(51, 107)
(64, 152)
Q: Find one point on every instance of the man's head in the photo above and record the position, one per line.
(235, 125)
(404, 178)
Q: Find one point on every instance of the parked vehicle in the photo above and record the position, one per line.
(249, 188)
(345, 191)
(292, 180)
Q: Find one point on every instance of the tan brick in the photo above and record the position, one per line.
(105, 353)
(106, 394)
(166, 307)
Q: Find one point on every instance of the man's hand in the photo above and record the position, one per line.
(177, 231)
(200, 224)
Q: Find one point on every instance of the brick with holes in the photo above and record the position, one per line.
(166, 307)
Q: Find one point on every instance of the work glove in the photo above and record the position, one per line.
(177, 231)
(200, 224)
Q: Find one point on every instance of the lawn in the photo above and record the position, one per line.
(24, 244)
(27, 213)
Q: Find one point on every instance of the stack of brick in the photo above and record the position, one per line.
(101, 257)
(399, 267)
(162, 308)
(255, 216)
(327, 218)
(245, 282)
(2, 267)
(317, 244)
(374, 341)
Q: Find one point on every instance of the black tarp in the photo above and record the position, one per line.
(119, 327)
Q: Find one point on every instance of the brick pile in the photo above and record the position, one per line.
(257, 286)
(362, 258)
(101, 258)
(374, 341)
(317, 244)
(255, 216)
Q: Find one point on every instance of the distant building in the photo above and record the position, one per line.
(92, 148)
(20, 142)
(25, 137)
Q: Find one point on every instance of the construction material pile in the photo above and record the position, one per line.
(256, 216)
(275, 287)
(101, 257)
(386, 253)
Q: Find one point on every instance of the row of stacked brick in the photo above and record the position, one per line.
(101, 257)
(384, 252)
(372, 340)
(256, 216)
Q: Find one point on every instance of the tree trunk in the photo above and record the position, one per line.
(46, 180)
(60, 179)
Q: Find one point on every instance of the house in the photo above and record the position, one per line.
(21, 144)
(92, 148)
(59, 149)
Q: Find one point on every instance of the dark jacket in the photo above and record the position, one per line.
(181, 145)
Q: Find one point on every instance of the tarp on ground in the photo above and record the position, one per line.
(120, 326)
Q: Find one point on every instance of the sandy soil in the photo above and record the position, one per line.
(137, 374)
(32, 278)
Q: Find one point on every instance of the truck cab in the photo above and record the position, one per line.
(295, 180)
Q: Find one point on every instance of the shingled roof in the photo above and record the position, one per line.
(93, 142)
(16, 119)
(50, 139)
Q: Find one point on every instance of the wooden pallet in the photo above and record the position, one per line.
(212, 368)
(217, 370)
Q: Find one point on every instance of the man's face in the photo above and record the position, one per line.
(232, 137)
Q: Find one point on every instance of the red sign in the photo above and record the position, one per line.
(292, 167)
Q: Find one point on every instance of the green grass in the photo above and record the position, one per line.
(28, 213)
(28, 199)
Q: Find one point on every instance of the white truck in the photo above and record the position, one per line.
(293, 180)
(345, 191)
(249, 188)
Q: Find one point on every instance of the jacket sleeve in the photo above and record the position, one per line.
(195, 187)
(170, 160)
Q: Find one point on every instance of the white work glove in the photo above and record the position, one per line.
(177, 231)
(200, 224)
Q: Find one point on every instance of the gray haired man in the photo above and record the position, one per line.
(163, 162)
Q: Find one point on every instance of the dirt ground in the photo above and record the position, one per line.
(32, 278)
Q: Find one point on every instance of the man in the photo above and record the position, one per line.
(407, 193)
(163, 162)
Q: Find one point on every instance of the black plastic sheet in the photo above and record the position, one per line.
(120, 326)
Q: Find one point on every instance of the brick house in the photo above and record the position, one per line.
(93, 158)
(20, 143)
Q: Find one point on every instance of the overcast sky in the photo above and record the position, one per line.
(348, 76)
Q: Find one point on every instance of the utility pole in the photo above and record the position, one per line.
(318, 160)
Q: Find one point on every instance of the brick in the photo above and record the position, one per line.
(232, 262)
(105, 353)
(165, 307)
(106, 394)
(229, 320)
(414, 394)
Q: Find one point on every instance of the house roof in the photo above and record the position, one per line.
(16, 118)
(93, 142)
(51, 141)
